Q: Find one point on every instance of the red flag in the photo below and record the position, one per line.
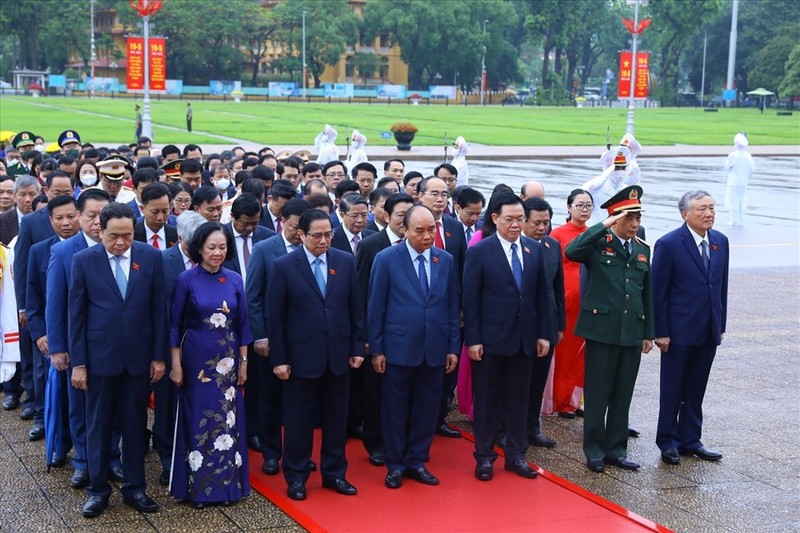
(146, 8)
(643, 25)
(628, 23)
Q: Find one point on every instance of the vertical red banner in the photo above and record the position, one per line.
(135, 61)
(642, 74)
(158, 64)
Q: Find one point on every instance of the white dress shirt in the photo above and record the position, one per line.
(507, 251)
(162, 237)
(125, 263)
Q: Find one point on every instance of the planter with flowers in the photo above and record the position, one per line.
(404, 134)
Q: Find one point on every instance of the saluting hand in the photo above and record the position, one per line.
(610, 221)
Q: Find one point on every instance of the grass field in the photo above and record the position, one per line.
(112, 121)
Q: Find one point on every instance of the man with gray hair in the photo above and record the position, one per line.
(25, 189)
(176, 260)
(690, 300)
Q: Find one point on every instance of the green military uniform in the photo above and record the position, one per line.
(615, 317)
(19, 141)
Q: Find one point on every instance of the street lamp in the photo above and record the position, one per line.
(91, 18)
(145, 8)
(304, 53)
(483, 63)
(636, 4)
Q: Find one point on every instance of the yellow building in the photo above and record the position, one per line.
(392, 70)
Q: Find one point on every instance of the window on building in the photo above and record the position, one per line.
(384, 70)
(349, 68)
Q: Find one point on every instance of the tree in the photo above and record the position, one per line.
(790, 86)
(330, 27)
(258, 28)
(770, 68)
(366, 64)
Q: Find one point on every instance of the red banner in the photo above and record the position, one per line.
(642, 74)
(135, 64)
(158, 64)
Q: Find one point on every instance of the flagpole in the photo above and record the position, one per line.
(629, 126)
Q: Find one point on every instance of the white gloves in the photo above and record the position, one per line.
(7, 371)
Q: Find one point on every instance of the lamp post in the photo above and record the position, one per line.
(304, 53)
(483, 64)
(703, 77)
(91, 19)
(145, 8)
(636, 4)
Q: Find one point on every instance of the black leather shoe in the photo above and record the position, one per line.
(271, 467)
(10, 402)
(27, 413)
(542, 441)
(116, 474)
(595, 465)
(579, 412)
(521, 468)
(197, 505)
(671, 457)
(342, 486)
(254, 443)
(141, 502)
(297, 491)
(484, 470)
(703, 453)
(163, 478)
(422, 475)
(445, 431)
(394, 479)
(633, 433)
(36, 433)
(79, 479)
(312, 466)
(569, 415)
(377, 458)
(94, 506)
(623, 463)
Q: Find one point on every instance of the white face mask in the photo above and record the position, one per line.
(88, 180)
(12, 162)
(222, 184)
(39, 148)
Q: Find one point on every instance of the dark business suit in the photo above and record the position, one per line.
(9, 225)
(267, 421)
(554, 278)
(36, 301)
(355, 416)
(690, 307)
(372, 226)
(415, 332)
(507, 321)
(259, 234)
(134, 205)
(166, 394)
(616, 316)
(59, 274)
(373, 433)
(116, 338)
(35, 227)
(266, 219)
(316, 334)
(455, 243)
(170, 234)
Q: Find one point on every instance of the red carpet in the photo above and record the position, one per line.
(460, 503)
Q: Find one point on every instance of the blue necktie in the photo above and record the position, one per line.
(516, 266)
(122, 281)
(469, 234)
(318, 275)
(704, 253)
(423, 276)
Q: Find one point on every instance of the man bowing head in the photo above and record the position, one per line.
(117, 333)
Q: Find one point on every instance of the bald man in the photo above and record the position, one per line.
(531, 189)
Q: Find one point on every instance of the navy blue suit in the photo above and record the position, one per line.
(507, 321)
(35, 227)
(267, 423)
(690, 307)
(415, 332)
(116, 338)
(59, 274)
(259, 234)
(166, 394)
(554, 278)
(316, 335)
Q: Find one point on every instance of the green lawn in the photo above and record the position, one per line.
(111, 121)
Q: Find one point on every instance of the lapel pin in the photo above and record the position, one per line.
(714, 247)
(135, 266)
(435, 259)
(526, 249)
(447, 234)
(221, 280)
(332, 272)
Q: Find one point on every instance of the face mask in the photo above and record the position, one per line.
(39, 148)
(88, 180)
(12, 162)
(74, 153)
(222, 184)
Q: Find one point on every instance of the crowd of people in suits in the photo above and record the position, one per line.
(360, 305)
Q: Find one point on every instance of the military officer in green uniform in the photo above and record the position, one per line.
(616, 319)
(24, 141)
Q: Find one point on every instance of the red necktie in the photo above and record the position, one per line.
(278, 225)
(245, 252)
(155, 242)
(438, 242)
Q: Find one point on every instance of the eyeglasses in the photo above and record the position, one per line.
(317, 236)
(182, 200)
(511, 220)
(581, 207)
(449, 180)
(356, 216)
(335, 175)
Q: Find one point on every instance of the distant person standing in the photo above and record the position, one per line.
(188, 116)
(740, 167)
(138, 133)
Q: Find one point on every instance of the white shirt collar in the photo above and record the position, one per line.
(162, 234)
(286, 244)
(697, 238)
(186, 258)
(413, 253)
(393, 237)
(126, 255)
(507, 244)
(311, 258)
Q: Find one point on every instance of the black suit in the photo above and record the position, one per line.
(261, 233)
(266, 220)
(554, 277)
(372, 226)
(170, 234)
(9, 225)
(340, 242)
(373, 435)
